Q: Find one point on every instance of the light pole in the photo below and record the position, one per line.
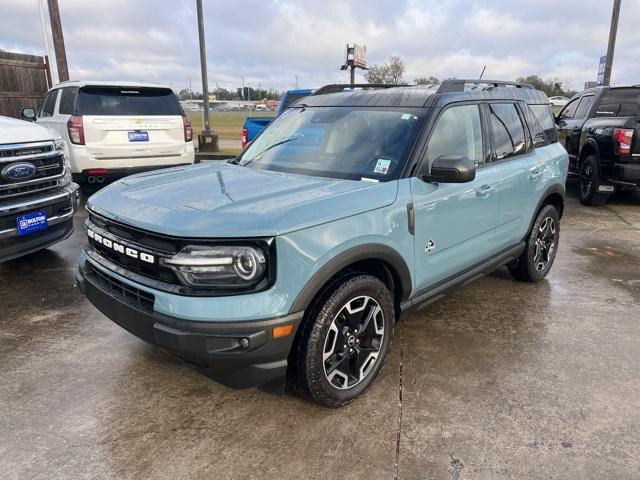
(207, 140)
(613, 33)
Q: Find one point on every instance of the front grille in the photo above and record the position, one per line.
(25, 149)
(49, 164)
(130, 295)
(54, 210)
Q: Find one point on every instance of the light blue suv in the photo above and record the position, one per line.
(355, 207)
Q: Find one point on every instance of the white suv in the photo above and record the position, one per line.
(114, 129)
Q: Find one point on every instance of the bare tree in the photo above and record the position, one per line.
(427, 81)
(389, 73)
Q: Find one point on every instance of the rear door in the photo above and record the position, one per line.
(131, 122)
(512, 160)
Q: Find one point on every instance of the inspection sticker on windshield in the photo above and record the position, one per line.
(382, 166)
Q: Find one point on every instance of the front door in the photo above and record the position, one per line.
(454, 222)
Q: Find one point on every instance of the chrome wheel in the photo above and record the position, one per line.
(544, 244)
(353, 342)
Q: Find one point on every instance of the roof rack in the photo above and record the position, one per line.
(458, 85)
(341, 87)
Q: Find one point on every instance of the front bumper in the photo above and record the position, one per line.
(60, 205)
(239, 354)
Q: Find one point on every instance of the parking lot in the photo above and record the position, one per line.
(500, 380)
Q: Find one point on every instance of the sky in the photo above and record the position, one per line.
(270, 42)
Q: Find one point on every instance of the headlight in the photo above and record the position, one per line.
(59, 144)
(218, 266)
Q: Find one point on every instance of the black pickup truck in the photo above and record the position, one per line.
(599, 128)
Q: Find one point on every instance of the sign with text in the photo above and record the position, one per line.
(603, 62)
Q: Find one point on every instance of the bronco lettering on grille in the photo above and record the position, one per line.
(118, 247)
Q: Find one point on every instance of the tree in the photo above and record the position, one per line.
(552, 87)
(389, 73)
(427, 81)
(184, 94)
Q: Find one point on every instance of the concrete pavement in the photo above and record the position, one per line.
(500, 380)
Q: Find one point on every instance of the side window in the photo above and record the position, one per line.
(569, 109)
(583, 108)
(67, 101)
(458, 131)
(544, 116)
(508, 131)
(622, 102)
(537, 132)
(47, 105)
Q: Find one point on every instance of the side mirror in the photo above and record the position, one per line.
(451, 169)
(29, 114)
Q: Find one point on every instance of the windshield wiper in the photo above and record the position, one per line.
(277, 144)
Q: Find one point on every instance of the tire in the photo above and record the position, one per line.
(589, 182)
(541, 247)
(334, 360)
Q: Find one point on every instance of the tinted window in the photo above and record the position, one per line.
(67, 100)
(458, 131)
(128, 101)
(583, 108)
(48, 104)
(291, 98)
(338, 142)
(544, 116)
(508, 132)
(570, 109)
(622, 102)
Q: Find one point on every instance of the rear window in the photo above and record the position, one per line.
(619, 102)
(292, 98)
(128, 101)
(544, 116)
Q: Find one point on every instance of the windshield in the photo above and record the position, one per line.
(338, 142)
(128, 101)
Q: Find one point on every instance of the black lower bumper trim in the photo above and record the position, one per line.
(627, 172)
(236, 354)
(116, 173)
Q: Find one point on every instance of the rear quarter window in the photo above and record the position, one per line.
(67, 101)
(128, 101)
(544, 116)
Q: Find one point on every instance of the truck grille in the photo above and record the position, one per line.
(48, 161)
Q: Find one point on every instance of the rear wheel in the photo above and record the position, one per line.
(589, 183)
(345, 340)
(542, 244)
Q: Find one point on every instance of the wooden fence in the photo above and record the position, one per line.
(24, 79)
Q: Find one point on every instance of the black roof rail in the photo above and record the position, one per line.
(341, 87)
(458, 85)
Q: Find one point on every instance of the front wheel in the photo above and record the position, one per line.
(345, 340)
(540, 251)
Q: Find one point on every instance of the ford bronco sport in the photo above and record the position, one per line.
(352, 209)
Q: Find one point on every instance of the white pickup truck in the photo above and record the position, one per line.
(37, 196)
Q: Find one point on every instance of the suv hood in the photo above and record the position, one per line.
(226, 200)
(20, 131)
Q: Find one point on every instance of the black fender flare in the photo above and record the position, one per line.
(553, 189)
(591, 143)
(370, 251)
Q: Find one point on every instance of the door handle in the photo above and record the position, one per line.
(485, 191)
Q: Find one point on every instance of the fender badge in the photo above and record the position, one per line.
(430, 246)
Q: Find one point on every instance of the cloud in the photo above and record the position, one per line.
(272, 41)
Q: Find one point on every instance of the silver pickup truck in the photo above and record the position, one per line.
(37, 196)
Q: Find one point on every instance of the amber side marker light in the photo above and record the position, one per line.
(282, 331)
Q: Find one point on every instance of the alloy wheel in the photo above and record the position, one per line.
(353, 342)
(586, 180)
(545, 244)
